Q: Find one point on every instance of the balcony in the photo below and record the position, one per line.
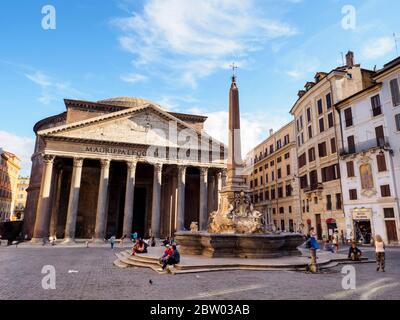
(314, 187)
(365, 146)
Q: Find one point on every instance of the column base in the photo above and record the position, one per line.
(98, 241)
(68, 241)
(38, 241)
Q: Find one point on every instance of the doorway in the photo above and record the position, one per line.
(319, 226)
(139, 211)
(363, 231)
(391, 231)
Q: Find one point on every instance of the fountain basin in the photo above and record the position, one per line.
(245, 246)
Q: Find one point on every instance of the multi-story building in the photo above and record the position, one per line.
(370, 157)
(20, 202)
(9, 172)
(274, 188)
(317, 129)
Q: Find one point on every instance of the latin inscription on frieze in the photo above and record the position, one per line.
(116, 151)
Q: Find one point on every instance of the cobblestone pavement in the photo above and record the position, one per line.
(88, 273)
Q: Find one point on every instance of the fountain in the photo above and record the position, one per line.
(236, 229)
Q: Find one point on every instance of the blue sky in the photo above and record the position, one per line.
(177, 53)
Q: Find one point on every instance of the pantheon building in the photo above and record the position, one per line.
(118, 166)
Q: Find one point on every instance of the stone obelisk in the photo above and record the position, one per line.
(235, 179)
(235, 213)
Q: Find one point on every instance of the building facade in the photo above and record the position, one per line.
(20, 201)
(121, 165)
(317, 128)
(370, 158)
(271, 175)
(9, 173)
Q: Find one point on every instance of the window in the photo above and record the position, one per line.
(338, 201)
(333, 145)
(330, 173)
(279, 173)
(314, 179)
(348, 117)
(329, 202)
(267, 195)
(319, 106)
(309, 115)
(310, 135)
(322, 150)
(279, 160)
(266, 178)
(288, 190)
(301, 122)
(380, 136)
(397, 119)
(290, 209)
(286, 139)
(328, 101)
(287, 155)
(321, 125)
(280, 192)
(385, 191)
(261, 181)
(288, 170)
(330, 120)
(315, 200)
(311, 155)
(302, 137)
(376, 105)
(303, 182)
(281, 210)
(302, 160)
(273, 194)
(272, 176)
(353, 194)
(261, 197)
(388, 213)
(272, 163)
(350, 169)
(380, 159)
(278, 144)
(351, 144)
(394, 89)
(271, 148)
(255, 183)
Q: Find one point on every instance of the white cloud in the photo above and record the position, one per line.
(22, 147)
(196, 37)
(254, 127)
(51, 89)
(133, 78)
(378, 48)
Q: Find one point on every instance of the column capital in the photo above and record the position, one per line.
(204, 171)
(105, 163)
(132, 164)
(182, 168)
(78, 162)
(48, 158)
(158, 167)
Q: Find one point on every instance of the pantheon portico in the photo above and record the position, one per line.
(119, 166)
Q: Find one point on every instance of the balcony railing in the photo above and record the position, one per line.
(314, 187)
(365, 146)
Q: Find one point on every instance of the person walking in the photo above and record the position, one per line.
(335, 241)
(380, 253)
(112, 242)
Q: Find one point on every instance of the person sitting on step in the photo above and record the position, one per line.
(354, 253)
(173, 259)
(140, 247)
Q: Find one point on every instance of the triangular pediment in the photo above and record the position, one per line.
(145, 125)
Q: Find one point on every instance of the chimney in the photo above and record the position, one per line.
(350, 59)
(271, 132)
